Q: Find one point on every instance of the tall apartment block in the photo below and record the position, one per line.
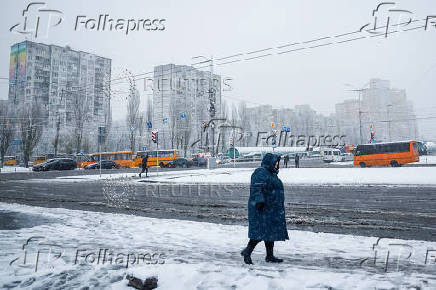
(386, 109)
(181, 102)
(54, 76)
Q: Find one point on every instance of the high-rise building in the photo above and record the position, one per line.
(383, 109)
(183, 97)
(57, 77)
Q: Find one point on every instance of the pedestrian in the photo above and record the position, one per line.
(144, 166)
(266, 209)
(285, 160)
(297, 161)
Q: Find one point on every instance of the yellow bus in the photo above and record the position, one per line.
(83, 159)
(384, 154)
(123, 158)
(38, 159)
(155, 158)
(10, 161)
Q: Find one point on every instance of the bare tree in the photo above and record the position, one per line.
(56, 139)
(6, 131)
(133, 102)
(173, 123)
(141, 127)
(80, 108)
(107, 124)
(185, 132)
(149, 118)
(31, 127)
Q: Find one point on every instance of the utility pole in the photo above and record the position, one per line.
(212, 96)
(234, 148)
(389, 121)
(359, 108)
(360, 117)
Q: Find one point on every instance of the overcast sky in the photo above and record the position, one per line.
(222, 28)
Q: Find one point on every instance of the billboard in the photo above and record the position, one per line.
(17, 69)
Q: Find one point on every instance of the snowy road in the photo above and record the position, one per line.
(405, 212)
(193, 255)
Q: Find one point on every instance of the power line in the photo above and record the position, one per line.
(278, 50)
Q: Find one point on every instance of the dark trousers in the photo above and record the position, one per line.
(144, 169)
(286, 164)
(269, 245)
(297, 164)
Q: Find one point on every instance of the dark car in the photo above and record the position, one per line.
(105, 164)
(199, 161)
(56, 164)
(179, 162)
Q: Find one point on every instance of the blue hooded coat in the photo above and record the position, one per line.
(269, 223)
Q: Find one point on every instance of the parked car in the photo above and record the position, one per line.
(179, 162)
(55, 164)
(199, 161)
(252, 157)
(105, 164)
(223, 159)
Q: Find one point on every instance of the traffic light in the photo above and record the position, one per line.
(204, 124)
(372, 138)
(154, 136)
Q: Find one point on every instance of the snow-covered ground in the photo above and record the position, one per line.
(343, 163)
(427, 159)
(343, 176)
(323, 176)
(12, 169)
(194, 255)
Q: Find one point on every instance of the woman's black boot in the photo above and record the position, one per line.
(270, 253)
(246, 253)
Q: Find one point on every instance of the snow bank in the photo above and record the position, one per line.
(427, 159)
(290, 176)
(200, 256)
(13, 169)
(331, 176)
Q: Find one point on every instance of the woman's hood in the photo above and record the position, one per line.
(269, 160)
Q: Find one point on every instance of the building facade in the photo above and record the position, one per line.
(58, 78)
(183, 98)
(382, 109)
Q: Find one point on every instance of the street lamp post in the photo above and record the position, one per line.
(389, 121)
(211, 91)
(359, 106)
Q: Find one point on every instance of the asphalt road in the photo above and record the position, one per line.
(383, 211)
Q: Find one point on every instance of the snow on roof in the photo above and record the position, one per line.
(393, 142)
(244, 150)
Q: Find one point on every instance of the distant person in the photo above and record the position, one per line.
(144, 166)
(286, 160)
(297, 161)
(266, 209)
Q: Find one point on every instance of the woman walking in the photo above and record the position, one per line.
(266, 210)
